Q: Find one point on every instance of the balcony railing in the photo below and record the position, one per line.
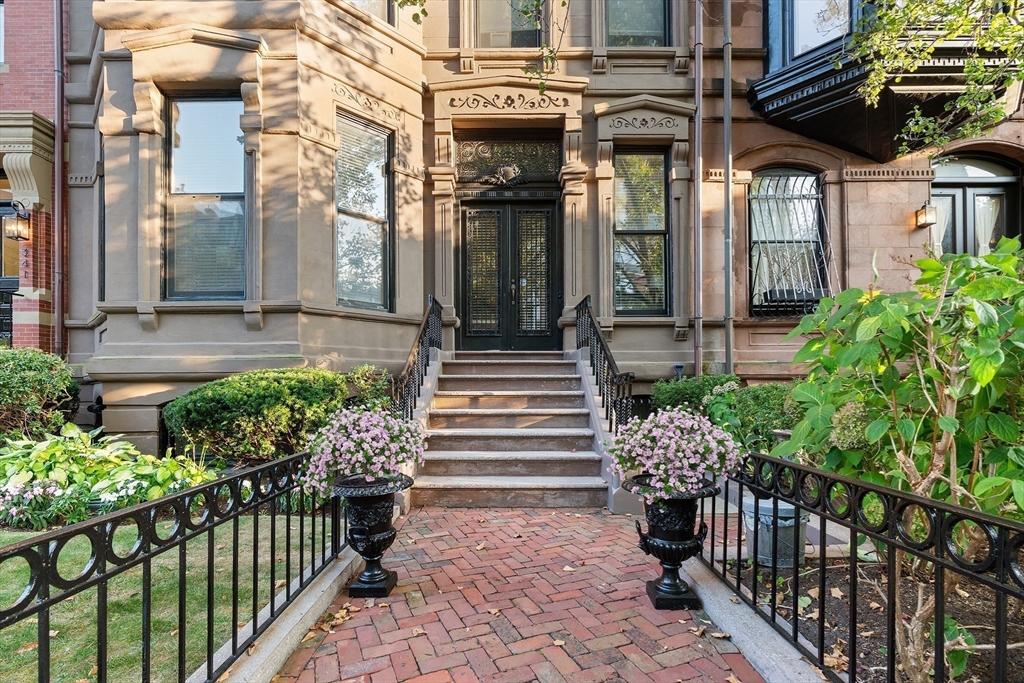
(194, 577)
(616, 388)
(405, 388)
(835, 602)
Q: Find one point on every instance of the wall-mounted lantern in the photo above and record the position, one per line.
(16, 220)
(926, 216)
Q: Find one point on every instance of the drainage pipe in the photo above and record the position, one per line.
(58, 178)
(698, 173)
(727, 190)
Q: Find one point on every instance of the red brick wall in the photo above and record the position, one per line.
(35, 270)
(28, 55)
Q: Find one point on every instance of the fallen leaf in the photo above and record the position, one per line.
(173, 632)
(251, 649)
(311, 634)
(577, 515)
(384, 604)
(82, 680)
(27, 647)
(517, 535)
(224, 676)
(369, 603)
(837, 594)
(280, 583)
(481, 546)
(813, 614)
(494, 611)
(53, 634)
(568, 568)
(719, 634)
(419, 632)
(240, 624)
(698, 631)
(780, 598)
(94, 670)
(819, 672)
(867, 634)
(802, 603)
(735, 600)
(732, 679)
(481, 520)
(812, 593)
(782, 612)
(355, 609)
(221, 546)
(558, 643)
(628, 514)
(874, 605)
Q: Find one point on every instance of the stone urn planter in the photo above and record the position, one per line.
(369, 508)
(672, 539)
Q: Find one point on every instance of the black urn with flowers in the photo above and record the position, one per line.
(678, 454)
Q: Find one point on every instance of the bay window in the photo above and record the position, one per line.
(641, 232)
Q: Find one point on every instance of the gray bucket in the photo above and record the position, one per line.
(791, 535)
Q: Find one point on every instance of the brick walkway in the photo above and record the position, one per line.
(516, 595)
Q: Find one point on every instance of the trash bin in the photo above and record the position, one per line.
(791, 534)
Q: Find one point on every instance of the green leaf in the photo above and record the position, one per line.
(849, 296)
(949, 424)
(907, 429)
(820, 417)
(808, 393)
(876, 430)
(988, 483)
(1004, 427)
(1018, 492)
(986, 313)
(983, 369)
(867, 328)
(992, 287)
(810, 351)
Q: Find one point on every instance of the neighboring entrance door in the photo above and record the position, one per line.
(509, 296)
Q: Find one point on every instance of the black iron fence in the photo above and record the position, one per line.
(173, 589)
(405, 388)
(616, 388)
(858, 576)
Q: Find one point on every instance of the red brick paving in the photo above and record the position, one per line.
(485, 595)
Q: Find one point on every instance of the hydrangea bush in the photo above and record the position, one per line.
(373, 443)
(680, 449)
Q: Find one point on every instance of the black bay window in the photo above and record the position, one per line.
(363, 223)
(641, 232)
(204, 240)
(636, 23)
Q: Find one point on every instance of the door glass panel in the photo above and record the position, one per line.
(988, 222)
(483, 251)
(533, 306)
(942, 231)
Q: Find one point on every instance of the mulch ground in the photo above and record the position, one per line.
(516, 595)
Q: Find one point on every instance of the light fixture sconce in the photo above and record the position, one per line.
(16, 220)
(926, 216)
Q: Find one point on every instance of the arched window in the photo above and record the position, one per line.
(790, 258)
(977, 201)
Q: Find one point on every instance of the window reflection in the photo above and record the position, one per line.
(636, 23)
(816, 22)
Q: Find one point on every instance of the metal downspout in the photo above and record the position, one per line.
(698, 173)
(58, 178)
(727, 190)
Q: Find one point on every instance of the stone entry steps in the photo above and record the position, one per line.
(509, 429)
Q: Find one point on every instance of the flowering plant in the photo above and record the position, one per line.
(373, 443)
(678, 448)
(38, 504)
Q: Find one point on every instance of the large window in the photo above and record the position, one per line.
(636, 23)
(378, 8)
(501, 23)
(789, 252)
(641, 233)
(816, 22)
(976, 202)
(205, 245)
(364, 208)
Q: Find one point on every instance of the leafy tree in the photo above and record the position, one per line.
(938, 371)
(899, 37)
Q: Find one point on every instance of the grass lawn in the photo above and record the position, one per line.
(73, 647)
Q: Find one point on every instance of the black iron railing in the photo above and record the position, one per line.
(832, 552)
(405, 388)
(616, 388)
(173, 589)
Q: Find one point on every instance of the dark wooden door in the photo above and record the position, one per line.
(510, 285)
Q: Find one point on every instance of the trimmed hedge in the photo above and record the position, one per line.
(37, 394)
(761, 409)
(264, 414)
(687, 391)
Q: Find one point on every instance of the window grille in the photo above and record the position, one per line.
(791, 262)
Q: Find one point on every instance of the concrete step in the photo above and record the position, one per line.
(488, 418)
(509, 355)
(522, 464)
(510, 439)
(508, 399)
(467, 491)
(530, 383)
(508, 367)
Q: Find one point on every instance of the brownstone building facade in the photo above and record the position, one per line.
(282, 183)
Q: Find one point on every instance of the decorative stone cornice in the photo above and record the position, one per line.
(886, 173)
(647, 103)
(194, 33)
(498, 101)
(28, 132)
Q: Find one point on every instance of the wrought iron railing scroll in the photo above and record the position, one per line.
(616, 388)
(405, 388)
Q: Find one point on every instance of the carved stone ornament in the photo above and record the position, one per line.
(504, 102)
(644, 122)
(508, 175)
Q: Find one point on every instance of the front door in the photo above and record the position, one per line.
(509, 294)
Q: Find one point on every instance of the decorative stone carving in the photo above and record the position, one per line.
(645, 122)
(367, 103)
(505, 102)
(508, 175)
(482, 160)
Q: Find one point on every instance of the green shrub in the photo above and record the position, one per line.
(689, 391)
(761, 409)
(37, 394)
(52, 481)
(263, 414)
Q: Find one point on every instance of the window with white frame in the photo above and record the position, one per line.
(790, 259)
(641, 232)
(363, 223)
(205, 237)
(636, 23)
(505, 23)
